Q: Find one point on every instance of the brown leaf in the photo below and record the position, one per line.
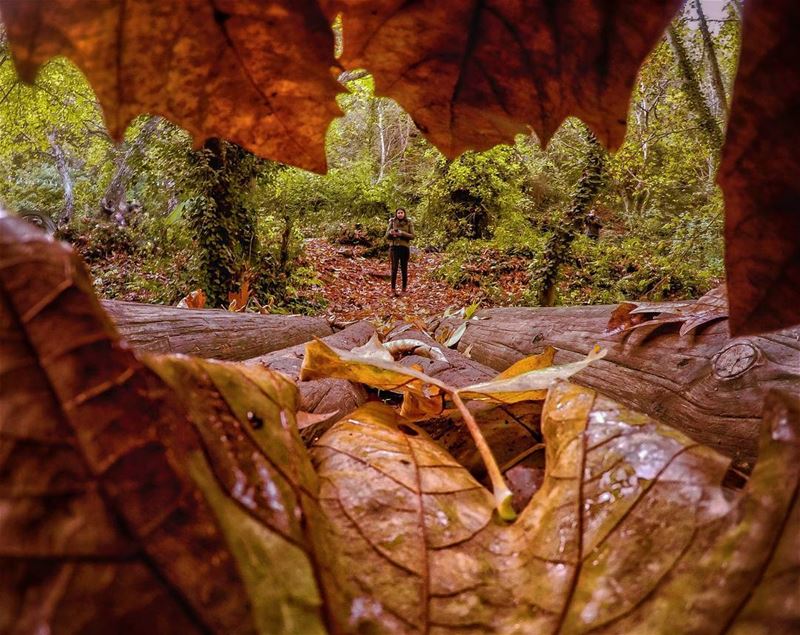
(708, 308)
(759, 172)
(623, 319)
(193, 300)
(628, 526)
(256, 72)
(135, 501)
(473, 75)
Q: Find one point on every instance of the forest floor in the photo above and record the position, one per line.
(356, 287)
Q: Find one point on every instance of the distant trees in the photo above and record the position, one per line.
(656, 194)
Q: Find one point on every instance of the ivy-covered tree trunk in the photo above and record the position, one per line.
(222, 223)
(691, 86)
(713, 62)
(560, 242)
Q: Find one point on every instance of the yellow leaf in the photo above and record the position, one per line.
(366, 365)
(527, 386)
(527, 364)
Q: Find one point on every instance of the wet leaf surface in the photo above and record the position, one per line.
(628, 526)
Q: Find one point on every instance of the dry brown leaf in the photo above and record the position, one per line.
(629, 526)
(139, 496)
(474, 74)
(623, 318)
(193, 300)
(257, 72)
(759, 172)
(708, 308)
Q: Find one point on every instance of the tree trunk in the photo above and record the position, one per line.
(691, 87)
(559, 244)
(113, 201)
(687, 382)
(66, 180)
(713, 62)
(286, 240)
(222, 223)
(210, 332)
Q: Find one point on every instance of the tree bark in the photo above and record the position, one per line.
(210, 332)
(686, 382)
(713, 62)
(691, 87)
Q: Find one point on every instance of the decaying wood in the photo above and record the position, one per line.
(210, 332)
(337, 396)
(707, 384)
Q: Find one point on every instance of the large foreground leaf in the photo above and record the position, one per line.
(131, 503)
(256, 72)
(759, 172)
(629, 533)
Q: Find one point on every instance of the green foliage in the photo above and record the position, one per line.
(210, 217)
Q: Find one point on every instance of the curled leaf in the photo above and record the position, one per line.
(373, 349)
(414, 347)
(520, 384)
(456, 336)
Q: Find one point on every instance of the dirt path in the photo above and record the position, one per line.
(357, 288)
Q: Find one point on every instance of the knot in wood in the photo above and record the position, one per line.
(735, 359)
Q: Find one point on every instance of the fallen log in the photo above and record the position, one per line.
(707, 384)
(455, 369)
(210, 332)
(321, 395)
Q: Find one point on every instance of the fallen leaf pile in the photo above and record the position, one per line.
(174, 495)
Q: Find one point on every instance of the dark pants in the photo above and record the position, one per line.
(399, 257)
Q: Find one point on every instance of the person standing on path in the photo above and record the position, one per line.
(400, 233)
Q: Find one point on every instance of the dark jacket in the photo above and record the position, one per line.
(405, 229)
